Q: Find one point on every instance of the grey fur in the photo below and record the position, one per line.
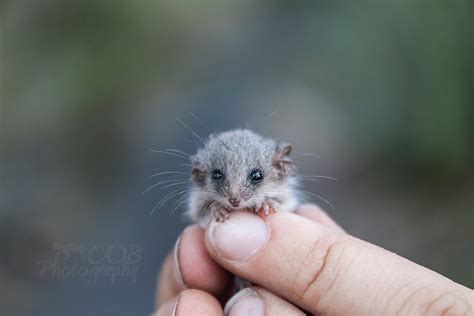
(236, 153)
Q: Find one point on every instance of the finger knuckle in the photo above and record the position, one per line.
(434, 300)
(318, 270)
(447, 304)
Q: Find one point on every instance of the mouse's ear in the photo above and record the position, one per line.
(282, 160)
(198, 172)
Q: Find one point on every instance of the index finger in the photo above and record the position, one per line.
(325, 271)
(189, 266)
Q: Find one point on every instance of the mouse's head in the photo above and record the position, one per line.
(240, 169)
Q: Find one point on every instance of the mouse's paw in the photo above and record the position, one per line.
(220, 214)
(269, 206)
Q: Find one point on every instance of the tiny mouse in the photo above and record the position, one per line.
(241, 170)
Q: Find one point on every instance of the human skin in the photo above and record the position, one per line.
(299, 263)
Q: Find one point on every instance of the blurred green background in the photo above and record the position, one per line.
(382, 91)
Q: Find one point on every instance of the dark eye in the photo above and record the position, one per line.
(217, 175)
(256, 176)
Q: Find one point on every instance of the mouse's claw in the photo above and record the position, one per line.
(220, 214)
(273, 206)
(266, 208)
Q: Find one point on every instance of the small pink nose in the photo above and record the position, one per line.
(234, 202)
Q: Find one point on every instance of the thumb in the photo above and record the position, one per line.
(325, 271)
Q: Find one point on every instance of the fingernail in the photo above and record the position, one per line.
(175, 307)
(178, 275)
(245, 302)
(239, 237)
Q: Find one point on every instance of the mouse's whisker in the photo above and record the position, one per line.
(172, 195)
(169, 153)
(168, 172)
(205, 206)
(200, 121)
(320, 198)
(308, 155)
(174, 184)
(170, 180)
(167, 198)
(150, 187)
(179, 202)
(192, 142)
(317, 177)
(178, 151)
(161, 182)
(191, 131)
(271, 115)
(310, 180)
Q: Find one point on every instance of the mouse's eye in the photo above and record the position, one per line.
(217, 175)
(256, 176)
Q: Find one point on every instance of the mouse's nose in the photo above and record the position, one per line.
(234, 202)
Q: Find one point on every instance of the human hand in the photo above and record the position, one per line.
(306, 260)
(190, 261)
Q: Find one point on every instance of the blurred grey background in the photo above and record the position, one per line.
(382, 91)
